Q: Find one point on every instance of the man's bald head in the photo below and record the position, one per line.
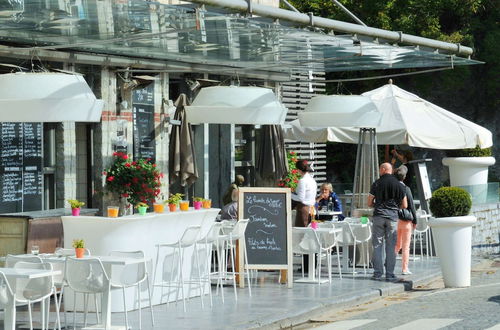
(385, 168)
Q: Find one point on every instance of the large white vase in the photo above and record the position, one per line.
(466, 171)
(453, 242)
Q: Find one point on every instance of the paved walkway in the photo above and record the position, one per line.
(274, 306)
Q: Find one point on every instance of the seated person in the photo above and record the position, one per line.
(238, 182)
(230, 210)
(326, 195)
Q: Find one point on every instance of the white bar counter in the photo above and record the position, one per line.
(136, 232)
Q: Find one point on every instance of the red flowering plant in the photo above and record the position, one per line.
(291, 179)
(138, 181)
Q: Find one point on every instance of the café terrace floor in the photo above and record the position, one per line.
(273, 306)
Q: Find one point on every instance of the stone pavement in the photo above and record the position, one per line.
(430, 307)
(274, 306)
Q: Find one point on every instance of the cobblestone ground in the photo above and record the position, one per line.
(427, 307)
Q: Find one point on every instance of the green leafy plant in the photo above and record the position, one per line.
(75, 203)
(291, 179)
(140, 204)
(471, 152)
(138, 181)
(450, 202)
(175, 198)
(198, 199)
(78, 243)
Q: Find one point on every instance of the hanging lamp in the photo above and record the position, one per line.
(47, 97)
(236, 105)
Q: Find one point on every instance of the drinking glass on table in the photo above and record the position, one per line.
(35, 249)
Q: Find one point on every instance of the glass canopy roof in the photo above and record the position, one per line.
(141, 29)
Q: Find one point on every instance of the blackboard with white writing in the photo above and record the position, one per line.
(267, 235)
(144, 116)
(20, 167)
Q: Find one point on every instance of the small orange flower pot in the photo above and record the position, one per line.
(172, 207)
(158, 208)
(207, 203)
(79, 252)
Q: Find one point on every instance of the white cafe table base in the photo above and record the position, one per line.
(9, 321)
(311, 274)
(132, 233)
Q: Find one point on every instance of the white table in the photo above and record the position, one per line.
(311, 274)
(332, 214)
(9, 322)
(135, 232)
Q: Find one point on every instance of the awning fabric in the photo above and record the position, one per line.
(182, 161)
(406, 119)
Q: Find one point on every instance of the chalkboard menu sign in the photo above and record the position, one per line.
(20, 167)
(144, 129)
(268, 233)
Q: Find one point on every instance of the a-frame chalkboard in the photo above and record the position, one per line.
(268, 237)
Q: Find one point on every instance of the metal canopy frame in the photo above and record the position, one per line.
(279, 41)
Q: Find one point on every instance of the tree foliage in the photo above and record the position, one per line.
(469, 91)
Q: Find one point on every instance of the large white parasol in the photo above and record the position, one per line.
(406, 119)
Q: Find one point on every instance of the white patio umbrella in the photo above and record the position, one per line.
(406, 119)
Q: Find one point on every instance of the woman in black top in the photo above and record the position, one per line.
(405, 226)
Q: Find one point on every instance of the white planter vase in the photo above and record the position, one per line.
(466, 171)
(453, 241)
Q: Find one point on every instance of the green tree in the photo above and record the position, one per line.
(470, 91)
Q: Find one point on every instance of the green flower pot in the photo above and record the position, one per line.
(142, 210)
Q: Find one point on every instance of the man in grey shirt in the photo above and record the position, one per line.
(387, 196)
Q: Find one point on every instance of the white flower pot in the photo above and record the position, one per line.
(453, 241)
(466, 171)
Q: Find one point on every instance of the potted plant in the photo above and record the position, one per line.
(173, 201)
(197, 202)
(79, 246)
(75, 206)
(133, 181)
(291, 179)
(452, 228)
(468, 166)
(142, 208)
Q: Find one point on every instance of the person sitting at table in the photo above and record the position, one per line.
(230, 210)
(239, 180)
(326, 195)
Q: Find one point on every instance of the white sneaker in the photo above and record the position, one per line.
(406, 273)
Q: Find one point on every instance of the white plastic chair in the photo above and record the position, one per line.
(363, 235)
(228, 242)
(7, 298)
(422, 228)
(328, 241)
(12, 260)
(305, 240)
(60, 282)
(187, 240)
(30, 291)
(129, 276)
(206, 244)
(86, 276)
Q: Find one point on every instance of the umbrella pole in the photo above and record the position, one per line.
(356, 171)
